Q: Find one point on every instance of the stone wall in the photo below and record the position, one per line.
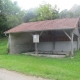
(20, 43)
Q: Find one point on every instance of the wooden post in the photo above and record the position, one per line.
(72, 51)
(78, 43)
(67, 34)
(36, 50)
(53, 46)
(9, 42)
(53, 38)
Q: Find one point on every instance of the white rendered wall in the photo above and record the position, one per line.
(65, 46)
(59, 46)
(45, 46)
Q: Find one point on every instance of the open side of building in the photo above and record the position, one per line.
(55, 36)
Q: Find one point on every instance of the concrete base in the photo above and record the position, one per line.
(46, 55)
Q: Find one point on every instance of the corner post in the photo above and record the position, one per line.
(78, 43)
(36, 50)
(72, 50)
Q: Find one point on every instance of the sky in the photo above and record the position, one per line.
(61, 4)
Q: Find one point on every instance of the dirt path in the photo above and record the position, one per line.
(11, 75)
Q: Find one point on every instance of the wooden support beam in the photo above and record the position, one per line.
(72, 50)
(53, 41)
(36, 49)
(8, 44)
(67, 34)
(78, 43)
(37, 33)
(31, 34)
(40, 33)
(53, 46)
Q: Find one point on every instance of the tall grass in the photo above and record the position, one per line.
(3, 46)
(55, 69)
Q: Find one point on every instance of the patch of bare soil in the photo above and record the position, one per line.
(11, 75)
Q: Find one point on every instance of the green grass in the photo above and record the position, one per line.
(55, 69)
(3, 46)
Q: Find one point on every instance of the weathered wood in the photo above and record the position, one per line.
(53, 47)
(8, 44)
(31, 34)
(67, 34)
(41, 33)
(53, 41)
(72, 51)
(78, 43)
(36, 49)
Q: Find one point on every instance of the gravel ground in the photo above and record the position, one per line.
(11, 75)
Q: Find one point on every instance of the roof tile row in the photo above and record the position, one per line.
(66, 23)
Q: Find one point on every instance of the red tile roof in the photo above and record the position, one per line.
(66, 23)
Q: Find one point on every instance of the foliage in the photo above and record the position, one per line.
(2, 20)
(70, 13)
(55, 69)
(77, 12)
(3, 25)
(10, 15)
(3, 46)
(29, 15)
(65, 13)
(43, 12)
(47, 12)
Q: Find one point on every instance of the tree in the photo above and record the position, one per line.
(29, 15)
(3, 25)
(47, 12)
(3, 20)
(66, 14)
(43, 12)
(13, 13)
(77, 12)
(10, 16)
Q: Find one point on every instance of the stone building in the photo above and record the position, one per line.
(59, 35)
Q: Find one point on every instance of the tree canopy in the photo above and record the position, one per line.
(44, 12)
(73, 12)
(47, 12)
(11, 14)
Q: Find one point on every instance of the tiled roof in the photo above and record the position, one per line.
(66, 23)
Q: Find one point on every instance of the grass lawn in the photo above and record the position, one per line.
(55, 69)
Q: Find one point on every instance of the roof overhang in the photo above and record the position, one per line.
(41, 30)
(48, 25)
